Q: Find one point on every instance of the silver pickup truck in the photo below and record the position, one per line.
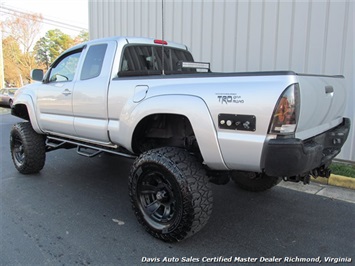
(184, 125)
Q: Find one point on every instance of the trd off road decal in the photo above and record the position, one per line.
(229, 98)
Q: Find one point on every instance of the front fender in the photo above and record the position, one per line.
(22, 101)
(191, 107)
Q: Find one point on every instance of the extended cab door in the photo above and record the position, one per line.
(90, 92)
(54, 95)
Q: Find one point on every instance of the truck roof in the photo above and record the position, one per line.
(131, 40)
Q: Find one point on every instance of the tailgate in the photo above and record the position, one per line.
(323, 101)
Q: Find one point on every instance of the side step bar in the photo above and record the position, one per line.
(87, 152)
(84, 149)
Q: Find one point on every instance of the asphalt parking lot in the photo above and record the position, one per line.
(77, 212)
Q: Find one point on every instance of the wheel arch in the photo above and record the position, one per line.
(175, 130)
(23, 107)
(21, 111)
(190, 108)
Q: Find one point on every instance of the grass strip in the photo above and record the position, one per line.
(343, 169)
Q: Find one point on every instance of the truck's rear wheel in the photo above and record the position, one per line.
(170, 193)
(255, 182)
(28, 149)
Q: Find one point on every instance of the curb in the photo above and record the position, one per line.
(336, 180)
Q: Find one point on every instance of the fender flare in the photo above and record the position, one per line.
(193, 108)
(25, 99)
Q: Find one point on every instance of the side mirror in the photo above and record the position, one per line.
(37, 74)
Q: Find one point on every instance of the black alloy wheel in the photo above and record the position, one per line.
(170, 193)
(159, 197)
(28, 148)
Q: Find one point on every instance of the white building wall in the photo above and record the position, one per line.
(305, 36)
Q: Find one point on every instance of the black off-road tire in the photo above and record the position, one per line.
(170, 193)
(255, 182)
(28, 149)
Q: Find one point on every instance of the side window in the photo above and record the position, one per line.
(93, 62)
(65, 69)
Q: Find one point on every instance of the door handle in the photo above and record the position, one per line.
(66, 92)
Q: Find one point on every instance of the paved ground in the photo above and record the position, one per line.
(77, 212)
(322, 190)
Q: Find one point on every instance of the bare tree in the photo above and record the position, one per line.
(23, 29)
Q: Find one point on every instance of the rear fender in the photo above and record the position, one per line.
(193, 108)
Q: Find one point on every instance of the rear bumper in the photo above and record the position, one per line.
(292, 157)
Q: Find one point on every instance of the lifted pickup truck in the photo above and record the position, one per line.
(148, 100)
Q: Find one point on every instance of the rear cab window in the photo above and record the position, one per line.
(147, 60)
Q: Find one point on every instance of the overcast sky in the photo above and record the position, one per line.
(70, 16)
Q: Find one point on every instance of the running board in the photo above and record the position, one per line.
(87, 152)
(84, 149)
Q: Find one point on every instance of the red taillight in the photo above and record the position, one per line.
(285, 116)
(161, 42)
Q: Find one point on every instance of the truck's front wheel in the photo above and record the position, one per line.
(170, 193)
(28, 149)
(255, 182)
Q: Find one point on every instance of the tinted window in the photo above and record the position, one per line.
(144, 58)
(93, 62)
(64, 70)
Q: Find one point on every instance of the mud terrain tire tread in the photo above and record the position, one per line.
(32, 145)
(195, 194)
